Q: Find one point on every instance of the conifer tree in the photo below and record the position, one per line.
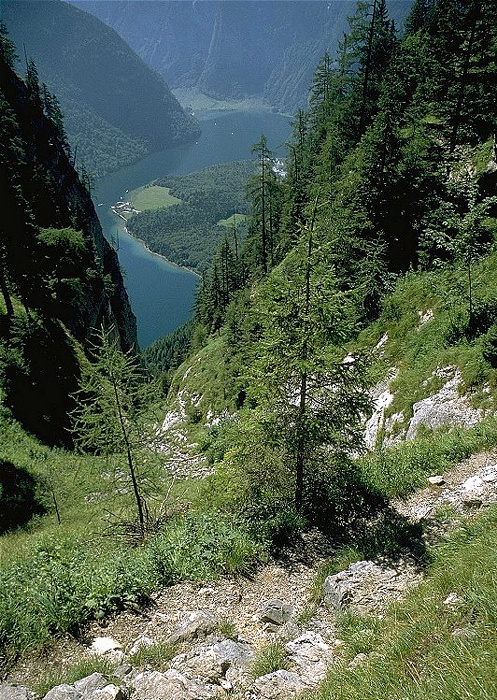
(264, 194)
(113, 417)
(309, 401)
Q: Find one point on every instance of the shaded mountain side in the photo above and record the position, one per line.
(60, 279)
(234, 49)
(56, 198)
(118, 107)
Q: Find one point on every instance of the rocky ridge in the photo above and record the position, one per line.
(216, 630)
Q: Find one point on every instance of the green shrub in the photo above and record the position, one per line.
(200, 546)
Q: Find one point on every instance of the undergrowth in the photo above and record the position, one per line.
(64, 582)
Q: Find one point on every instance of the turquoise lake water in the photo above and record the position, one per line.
(161, 294)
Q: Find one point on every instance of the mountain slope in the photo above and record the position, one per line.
(229, 50)
(114, 102)
(59, 277)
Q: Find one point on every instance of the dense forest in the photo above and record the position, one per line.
(189, 233)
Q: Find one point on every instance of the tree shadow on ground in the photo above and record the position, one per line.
(351, 515)
(18, 497)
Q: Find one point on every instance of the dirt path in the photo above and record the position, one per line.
(239, 600)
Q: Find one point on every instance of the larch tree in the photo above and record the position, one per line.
(309, 401)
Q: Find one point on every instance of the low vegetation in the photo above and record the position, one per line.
(426, 646)
(152, 197)
(270, 658)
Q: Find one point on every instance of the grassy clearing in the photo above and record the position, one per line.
(152, 197)
(424, 647)
(64, 581)
(233, 220)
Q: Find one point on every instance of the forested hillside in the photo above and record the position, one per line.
(59, 277)
(391, 169)
(116, 108)
(189, 233)
(265, 49)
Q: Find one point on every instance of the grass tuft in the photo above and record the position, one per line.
(73, 673)
(155, 656)
(422, 647)
(270, 658)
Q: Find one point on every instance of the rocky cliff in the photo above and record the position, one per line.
(56, 198)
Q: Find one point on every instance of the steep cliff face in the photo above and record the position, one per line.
(55, 198)
(59, 278)
(264, 48)
(117, 107)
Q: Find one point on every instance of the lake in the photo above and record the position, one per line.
(161, 294)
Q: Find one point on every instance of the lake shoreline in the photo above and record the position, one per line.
(150, 251)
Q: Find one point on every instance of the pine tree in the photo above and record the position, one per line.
(113, 417)
(264, 194)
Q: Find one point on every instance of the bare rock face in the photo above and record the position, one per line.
(446, 407)
(382, 398)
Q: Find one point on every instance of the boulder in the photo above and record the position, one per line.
(311, 655)
(279, 685)
(172, 685)
(213, 661)
(109, 692)
(275, 612)
(15, 692)
(87, 685)
(104, 645)
(368, 585)
(196, 624)
(436, 480)
(63, 692)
